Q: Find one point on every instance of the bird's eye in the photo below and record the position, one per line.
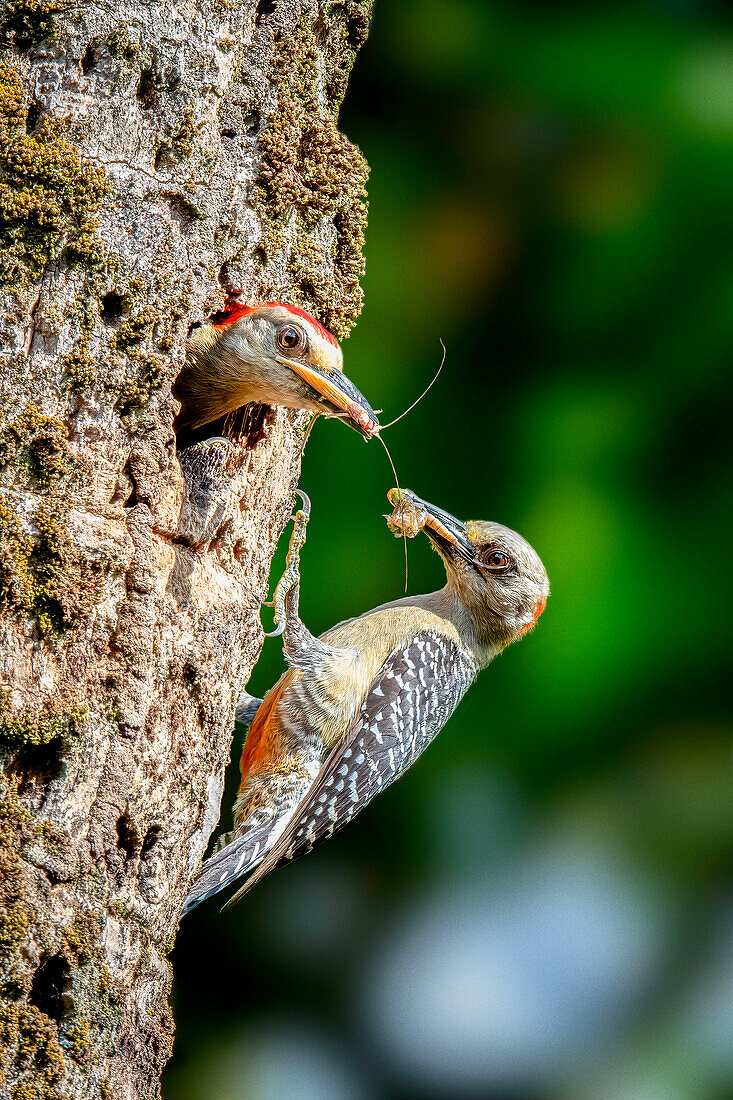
(291, 339)
(498, 561)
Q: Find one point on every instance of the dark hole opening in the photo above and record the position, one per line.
(265, 7)
(150, 839)
(186, 211)
(111, 307)
(227, 132)
(89, 60)
(51, 986)
(252, 122)
(146, 91)
(35, 110)
(37, 765)
(194, 325)
(190, 674)
(245, 427)
(128, 838)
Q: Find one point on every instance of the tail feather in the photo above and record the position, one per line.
(232, 862)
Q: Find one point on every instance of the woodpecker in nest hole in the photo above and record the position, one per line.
(273, 354)
(359, 704)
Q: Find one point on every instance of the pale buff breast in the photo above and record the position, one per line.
(361, 646)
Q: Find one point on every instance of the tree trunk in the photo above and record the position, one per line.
(150, 155)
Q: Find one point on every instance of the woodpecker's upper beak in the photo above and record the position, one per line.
(447, 533)
(338, 394)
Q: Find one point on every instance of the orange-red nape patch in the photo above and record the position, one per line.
(541, 605)
(234, 310)
(260, 738)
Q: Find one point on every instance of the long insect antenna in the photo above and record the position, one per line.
(397, 483)
(308, 431)
(426, 390)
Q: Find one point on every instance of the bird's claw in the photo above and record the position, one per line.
(216, 441)
(290, 579)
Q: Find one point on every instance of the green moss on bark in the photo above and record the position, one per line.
(34, 729)
(30, 1040)
(25, 23)
(43, 575)
(38, 442)
(121, 46)
(81, 939)
(311, 170)
(48, 196)
(16, 916)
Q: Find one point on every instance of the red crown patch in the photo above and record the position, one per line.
(235, 309)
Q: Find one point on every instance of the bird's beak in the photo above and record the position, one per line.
(337, 391)
(446, 532)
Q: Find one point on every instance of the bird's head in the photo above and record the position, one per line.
(495, 573)
(276, 354)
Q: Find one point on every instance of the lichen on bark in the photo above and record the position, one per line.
(151, 157)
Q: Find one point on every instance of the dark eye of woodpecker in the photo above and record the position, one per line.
(290, 339)
(498, 560)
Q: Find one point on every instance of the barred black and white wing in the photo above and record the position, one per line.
(233, 861)
(414, 694)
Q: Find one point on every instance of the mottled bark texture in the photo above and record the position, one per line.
(151, 154)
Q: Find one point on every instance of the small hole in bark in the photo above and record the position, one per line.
(35, 111)
(227, 132)
(89, 60)
(51, 986)
(132, 500)
(111, 307)
(150, 839)
(223, 273)
(146, 91)
(190, 674)
(265, 7)
(162, 157)
(252, 122)
(128, 838)
(195, 325)
(259, 256)
(183, 212)
(37, 765)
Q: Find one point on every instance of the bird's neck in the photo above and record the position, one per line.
(477, 638)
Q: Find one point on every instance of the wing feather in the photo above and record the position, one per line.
(415, 692)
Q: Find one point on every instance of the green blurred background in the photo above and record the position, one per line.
(542, 907)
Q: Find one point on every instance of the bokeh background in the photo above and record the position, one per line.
(542, 907)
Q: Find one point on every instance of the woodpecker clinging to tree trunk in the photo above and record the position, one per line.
(359, 704)
(273, 353)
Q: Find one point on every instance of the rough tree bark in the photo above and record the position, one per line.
(150, 155)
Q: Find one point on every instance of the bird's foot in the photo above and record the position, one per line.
(288, 587)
